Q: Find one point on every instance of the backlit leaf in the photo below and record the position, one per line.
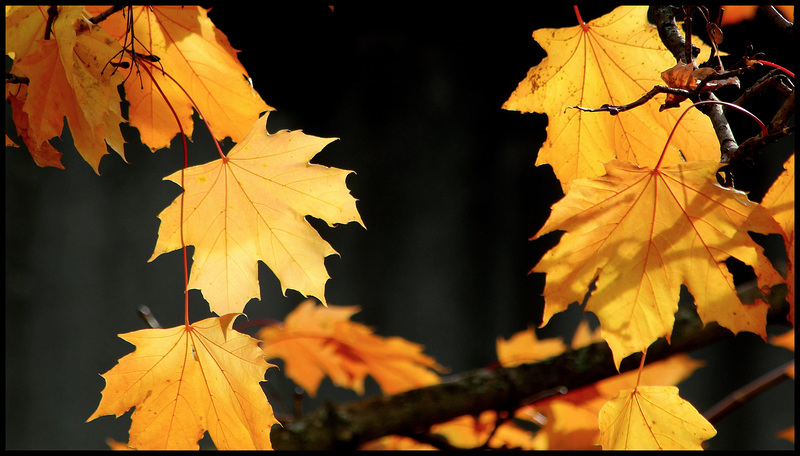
(642, 233)
(779, 200)
(251, 206)
(197, 55)
(652, 418)
(474, 431)
(524, 347)
(67, 80)
(613, 60)
(316, 341)
(186, 380)
(569, 421)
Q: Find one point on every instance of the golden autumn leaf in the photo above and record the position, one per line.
(251, 206)
(198, 55)
(44, 154)
(317, 341)
(614, 59)
(569, 421)
(779, 200)
(395, 443)
(186, 380)
(642, 233)
(66, 80)
(25, 24)
(473, 431)
(524, 347)
(584, 336)
(652, 418)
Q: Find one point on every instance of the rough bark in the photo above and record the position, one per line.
(347, 426)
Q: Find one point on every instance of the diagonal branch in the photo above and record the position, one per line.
(783, 24)
(347, 426)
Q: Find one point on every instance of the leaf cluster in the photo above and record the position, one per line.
(649, 207)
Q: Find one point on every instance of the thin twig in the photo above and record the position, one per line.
(52, 14)
(776, 129)
(14, 79)
(104, 15)
(502, 417)
(147, 316)
(747, 393)
(614, 110)
(664, 19)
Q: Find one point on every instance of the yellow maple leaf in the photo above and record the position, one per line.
(317, 341)
(67, 80)
(251, 206)
(25, 24)
(186, 380)
(614, 59)
(779, 200)
(652, 418)
(642, 233)
(570, 420)
(198, 55)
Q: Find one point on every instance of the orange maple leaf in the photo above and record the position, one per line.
(735, 14)
(652, 418)
(642, 233)
(317, 341)
(569, 421)
(613, 60)
(67, 80)
(186, 380)
(44, 154)
(196, 54)
(395, 443)
(473, 431)
(251, 206)
(524, 347)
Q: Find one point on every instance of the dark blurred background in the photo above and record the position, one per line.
(447, 189)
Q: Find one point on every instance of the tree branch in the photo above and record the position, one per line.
(663, 16)
(777, 129)
(748, 392)
(104, 15)
(783, 24)
(347, 426)
(664, 19)
(774, 80)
